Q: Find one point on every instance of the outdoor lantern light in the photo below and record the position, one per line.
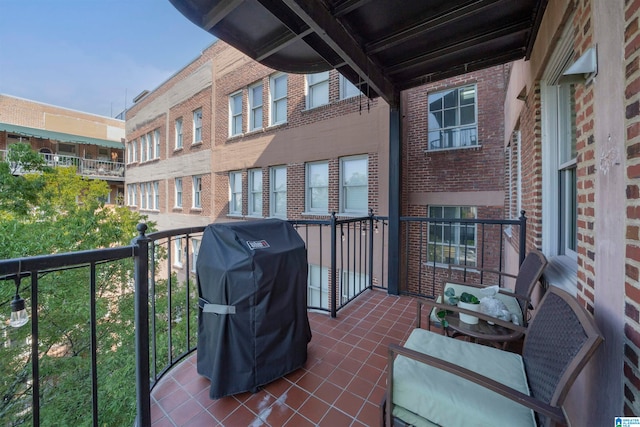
(19, 314)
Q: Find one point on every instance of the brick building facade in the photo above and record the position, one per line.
(571, 137)
(303, 147)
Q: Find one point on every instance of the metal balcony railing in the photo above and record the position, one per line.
(135, 307)
(94, 168)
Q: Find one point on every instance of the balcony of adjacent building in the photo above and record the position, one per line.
(92, 157)
(149, 292)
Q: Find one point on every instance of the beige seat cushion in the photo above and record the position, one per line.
(427, 396)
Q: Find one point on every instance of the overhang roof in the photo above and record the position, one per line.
(383, 46)
(59, 136)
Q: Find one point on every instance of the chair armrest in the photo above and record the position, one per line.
(539, 406)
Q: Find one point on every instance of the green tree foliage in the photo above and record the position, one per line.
(46, 211)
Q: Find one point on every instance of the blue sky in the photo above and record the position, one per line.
(91, 55)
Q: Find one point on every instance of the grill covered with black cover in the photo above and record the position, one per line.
(252, 325)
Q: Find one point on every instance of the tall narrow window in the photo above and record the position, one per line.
(195, 245)
(255, 192)
(235, 114)
(354, 188)
(143, 196)
(149, 195)
(317, 89)
(235, 193)
(156, 195)
(178, 183)
(278, 94)
(179, 133)
(317, 194)
(177, 252)
(347, 89)
(560, 235)
(559, 162)
(255, 107)
(452, 118)
(197, 126)
(197, 191)
(278, 191)
(156, 139)
(318, 286)
(143, 148)
(129, 152)
(150, 154)
(450, 241)
(134, 147)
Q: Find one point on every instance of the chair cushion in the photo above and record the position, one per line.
(442, 398)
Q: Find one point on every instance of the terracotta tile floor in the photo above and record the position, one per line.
(342, 383)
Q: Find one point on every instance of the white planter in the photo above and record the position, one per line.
(472, 320)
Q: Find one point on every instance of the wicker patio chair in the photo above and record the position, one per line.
(436, 380)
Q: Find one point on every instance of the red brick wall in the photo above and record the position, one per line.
(632, 286)
(454, 170)
(586, 160)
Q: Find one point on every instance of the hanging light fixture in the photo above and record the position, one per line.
(19, 316)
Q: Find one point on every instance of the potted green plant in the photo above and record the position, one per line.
(466, 300)
(469, 302)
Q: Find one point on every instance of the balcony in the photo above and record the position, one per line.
(341, 384)
(146, 294)
(90, 168)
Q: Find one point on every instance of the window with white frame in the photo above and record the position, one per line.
(195, 250)
(449, 240)
(255, 107)
(278, 187)
(317, 89)
(143, 196)
(317, 191)
(452, 119)
(278, 95)
(255, 192)
(559, 159)
(318, 286)
(178, 187)
(235, 193)
(150, 154)
(177, 252)
(347, 89)
(149, 195)
(156, 195)
(354, 185)
(235, 114)
(131, 194)
(143, 148)
(178, 129)
(134, 148)
(351, 284)
(129, 152)
(156, 139)
(197, 126)
(197, 191)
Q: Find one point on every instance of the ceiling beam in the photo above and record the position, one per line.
(278, 43)
(320, 20)
(457, 46)
(218, 13)
(347, 6)
(444, 17)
